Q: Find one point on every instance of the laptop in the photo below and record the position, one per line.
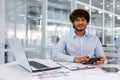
(33, 65)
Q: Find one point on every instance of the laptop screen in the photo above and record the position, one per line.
(18, 51)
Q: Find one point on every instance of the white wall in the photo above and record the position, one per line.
(2, 29)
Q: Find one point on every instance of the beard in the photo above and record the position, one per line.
(80, 30)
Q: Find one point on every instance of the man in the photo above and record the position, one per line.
(79, 46)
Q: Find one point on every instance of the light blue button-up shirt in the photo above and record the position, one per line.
(72, 45)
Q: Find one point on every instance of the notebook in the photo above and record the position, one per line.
(33, 65)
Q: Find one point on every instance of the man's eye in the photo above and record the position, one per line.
(83, 19)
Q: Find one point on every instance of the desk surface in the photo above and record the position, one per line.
(12, 71)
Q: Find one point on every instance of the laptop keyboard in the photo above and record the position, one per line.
(37, 65)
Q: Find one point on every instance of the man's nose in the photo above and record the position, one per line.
(80, 22)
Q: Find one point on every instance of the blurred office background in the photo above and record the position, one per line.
(39, 24)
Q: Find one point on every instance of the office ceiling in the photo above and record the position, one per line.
(16, 3)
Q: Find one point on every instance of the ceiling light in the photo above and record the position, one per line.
(100, 12)
(86, 7)
(110, 15)
(118, 5)
(118, 18)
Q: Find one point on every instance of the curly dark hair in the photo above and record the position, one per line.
(79, 13)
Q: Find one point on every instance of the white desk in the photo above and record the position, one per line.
(12, 71)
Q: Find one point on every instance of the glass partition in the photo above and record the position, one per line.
(55, 31)
(108, 20)
(20, 15)
(96, 18)
(24, 20)
(98, 33)
(34, 23)
(117, 27)
(97, 3)
(117, 7)
(117, 21)
(108, 5)
(59, 10)
(12, 16)
(10, 25)
(79, 6)
(85, 1)
(108, 38)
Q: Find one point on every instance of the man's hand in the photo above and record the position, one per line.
(101, 61)
(81, 59)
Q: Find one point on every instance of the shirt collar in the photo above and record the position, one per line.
(74, 35)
